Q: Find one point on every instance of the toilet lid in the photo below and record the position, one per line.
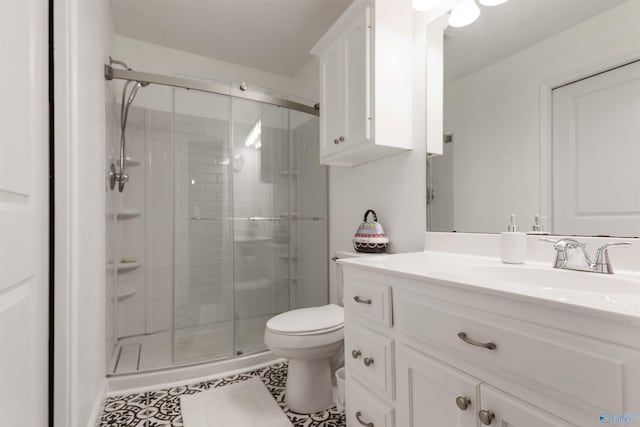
(308, 320)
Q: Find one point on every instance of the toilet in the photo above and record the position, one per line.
(309, 338)
(313, 341)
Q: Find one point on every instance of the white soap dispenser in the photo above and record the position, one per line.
(513, 244)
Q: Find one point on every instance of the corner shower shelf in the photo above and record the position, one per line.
(126, 293)
(128, 214)
(128, 266)
(132, 162)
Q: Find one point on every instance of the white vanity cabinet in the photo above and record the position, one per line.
(365, 106)
(447, 356)
(431, 393)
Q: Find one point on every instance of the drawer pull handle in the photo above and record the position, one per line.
(463, 402)
(368, 361)
(487, 345)
(356, 353)
(358, 415)
(486, 417)
(361, 301)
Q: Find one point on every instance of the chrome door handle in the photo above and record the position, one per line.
(356, 353)
(358, 415)
(487, 345)
(463, 402)
(486, 417)
(368, 361)
(361, 301)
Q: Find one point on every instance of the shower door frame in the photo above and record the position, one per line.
(242, 91)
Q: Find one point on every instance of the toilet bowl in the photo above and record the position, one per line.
(309, 338)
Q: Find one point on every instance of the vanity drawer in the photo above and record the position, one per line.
(368, 299)
(369, 357)
(363, 407)
(594, 371)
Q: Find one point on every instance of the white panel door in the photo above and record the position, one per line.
(430, 392)
(23, 213)
(356, 50)
(596, 147)
(331, 100)
(511, 412)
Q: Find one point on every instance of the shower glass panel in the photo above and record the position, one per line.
(309, 201)
(222, 225)
(261, 208)
(203, 282)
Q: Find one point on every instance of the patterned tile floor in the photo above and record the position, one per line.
(162, 407)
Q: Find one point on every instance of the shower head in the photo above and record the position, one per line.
(127, 99)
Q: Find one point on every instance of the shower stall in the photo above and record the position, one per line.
(221, 222)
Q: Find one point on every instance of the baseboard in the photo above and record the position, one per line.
(96, 411)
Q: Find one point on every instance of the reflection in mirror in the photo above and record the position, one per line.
(541, 107)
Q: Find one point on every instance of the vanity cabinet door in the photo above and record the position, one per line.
(501, 409)
(331, 100)
(431, 393)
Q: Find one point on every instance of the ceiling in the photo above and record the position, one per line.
(270, 35)
(511, 27)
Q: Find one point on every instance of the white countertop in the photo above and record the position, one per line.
(598, 297)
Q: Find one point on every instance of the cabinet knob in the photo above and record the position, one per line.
(486, 417)
(356, 353)
(463, 402)
(336, 141)
(341, 139)
(368, 361)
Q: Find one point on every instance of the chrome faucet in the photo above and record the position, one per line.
(572, 255)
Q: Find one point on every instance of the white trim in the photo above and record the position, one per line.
(64, 321)
(96, 411)
(546, 125)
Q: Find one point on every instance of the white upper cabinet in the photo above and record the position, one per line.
(365, 83)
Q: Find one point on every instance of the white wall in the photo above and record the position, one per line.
(495, 117)
(83, 31)
(142, 56)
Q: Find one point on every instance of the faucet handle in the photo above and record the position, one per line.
(602, 263)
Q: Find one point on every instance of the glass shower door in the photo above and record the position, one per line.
(261, 205)
(203, 251)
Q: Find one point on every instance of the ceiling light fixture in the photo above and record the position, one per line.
(492, 2)
(425, 5)
(464, 13)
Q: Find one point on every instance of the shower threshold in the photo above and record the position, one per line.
(190, 346)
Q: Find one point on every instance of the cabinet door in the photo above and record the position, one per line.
(356, 50)
(331, 100)
(512, 412)
(429, 393)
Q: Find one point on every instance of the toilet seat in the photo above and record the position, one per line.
(308, 321)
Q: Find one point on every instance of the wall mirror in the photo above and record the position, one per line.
(541, 118)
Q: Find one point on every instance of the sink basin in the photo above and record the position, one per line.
(550, 279)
